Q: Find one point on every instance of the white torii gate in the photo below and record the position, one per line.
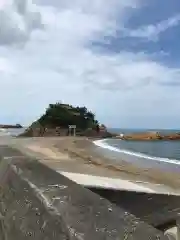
(74, 130)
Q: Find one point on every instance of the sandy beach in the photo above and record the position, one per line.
(79, 155)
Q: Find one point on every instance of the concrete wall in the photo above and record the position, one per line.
(38, 203)
(160, 210)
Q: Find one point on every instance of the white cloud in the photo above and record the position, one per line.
(5, 66)
(152, 32)
(57, 62)
(17, 20)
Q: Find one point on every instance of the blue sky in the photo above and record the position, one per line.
(152, 14)
(119, 58)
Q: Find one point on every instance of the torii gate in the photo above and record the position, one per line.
(74, 130)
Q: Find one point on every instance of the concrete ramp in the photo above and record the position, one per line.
(38, 203)
(106, 182)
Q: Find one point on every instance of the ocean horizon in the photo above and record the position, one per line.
(133, 130)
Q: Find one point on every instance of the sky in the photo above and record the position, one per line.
(121, 59)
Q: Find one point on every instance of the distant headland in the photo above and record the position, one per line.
(5, 126)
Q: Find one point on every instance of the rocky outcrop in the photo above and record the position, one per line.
(36, 130)
(40, 131)
(149, 136)
(57, 119)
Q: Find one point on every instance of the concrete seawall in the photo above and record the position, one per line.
(159, 210)
(38, 203)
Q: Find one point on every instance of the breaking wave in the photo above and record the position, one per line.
(103, 144)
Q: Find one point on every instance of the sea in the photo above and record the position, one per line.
(11, 132)
(163, 154)
(158, 154)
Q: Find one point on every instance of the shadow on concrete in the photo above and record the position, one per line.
(158, 210)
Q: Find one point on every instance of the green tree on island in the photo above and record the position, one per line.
(62, 115)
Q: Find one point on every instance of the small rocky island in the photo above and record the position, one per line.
(57, 119)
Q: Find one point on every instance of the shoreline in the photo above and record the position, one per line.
(80, 155)
(154, 172)
(139, 157)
